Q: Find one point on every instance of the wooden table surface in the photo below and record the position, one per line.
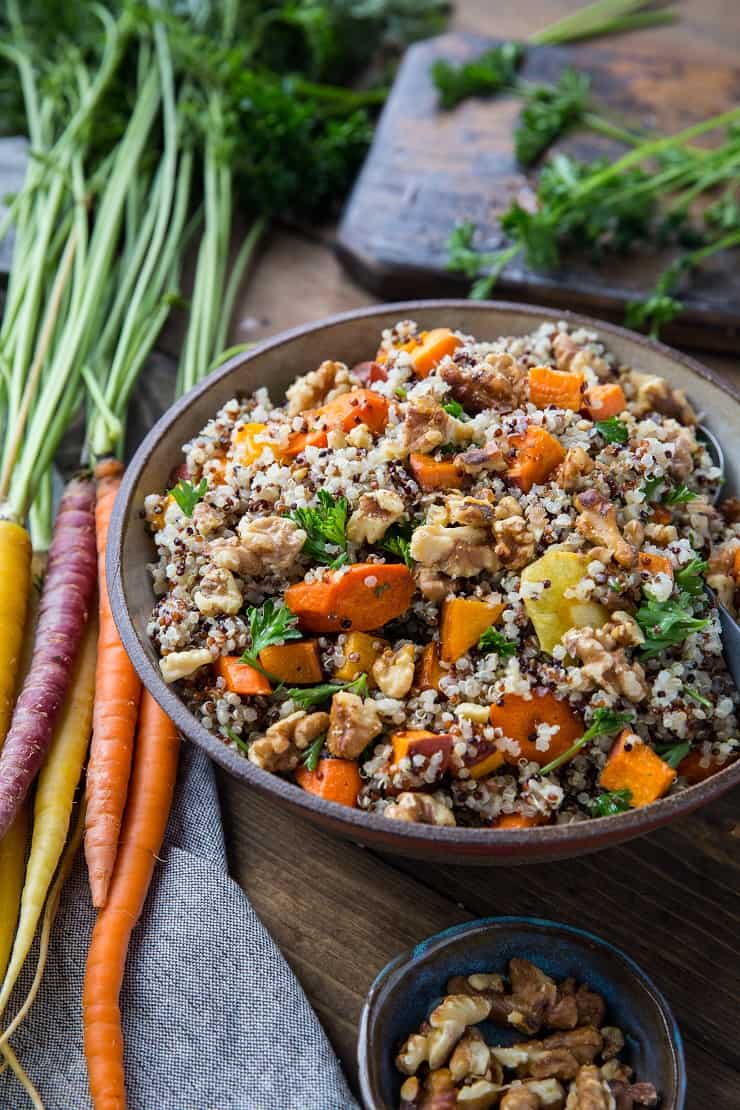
(340, 912)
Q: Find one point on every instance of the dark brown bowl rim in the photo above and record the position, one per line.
(590, 834)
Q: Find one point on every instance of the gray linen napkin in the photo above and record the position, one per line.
(213, 1017)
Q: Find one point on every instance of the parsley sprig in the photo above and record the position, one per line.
(609, 803)
(689, 579)
(325, 526)
(604, 722)
(307, 696)
(681, 495)
(675, 754)
(397, 540)
(550, 110)
(312, 754)
(268, 624)
(493, 640)
(454, 408)
(236, 739)
(697, 697)
(613, 430)
(489, 73)
(187, 495)
(666, 623)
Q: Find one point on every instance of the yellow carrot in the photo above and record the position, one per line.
(53, 805)
(15, 586)
(12, 867)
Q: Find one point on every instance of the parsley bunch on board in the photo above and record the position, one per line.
(488, 73)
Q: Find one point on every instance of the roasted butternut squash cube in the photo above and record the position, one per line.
(414, 742)
(360, 649)
(464, 620)
(632, 765)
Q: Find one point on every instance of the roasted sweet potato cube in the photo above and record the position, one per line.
(634, 766)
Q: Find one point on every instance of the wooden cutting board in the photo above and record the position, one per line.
(428, 170)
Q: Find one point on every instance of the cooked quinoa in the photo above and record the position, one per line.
(538, 571)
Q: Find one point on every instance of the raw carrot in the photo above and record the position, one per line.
(335, 780)
(603, 401)
(12, 869)
(434, 474)
(15, 587)
(519, 719)
(240, 678)
(464, 620)
(364, 596)
(117, 695)
(55, 793)
(634, 766)
(296, 664)
(537, 455)
(150, 797)
(431, 349)
(562, 388)
(65, 600)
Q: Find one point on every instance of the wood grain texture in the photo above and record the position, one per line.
(429, 170)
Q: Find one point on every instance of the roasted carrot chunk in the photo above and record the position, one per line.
(299, 441)
(240, 678)
(487, 760)
(537, 455)
(562, 388)
(661, 515)
(432, 348)
(335, 780)
(516, 821)
(464, 620)
(360, 651)
(364, 596)
(519, 719)
(412, 742)
(430, 672)
(296, 664)
(634, 766)
(603, 401)
(410, 345)
(359, 406)
(655, 564)
(434, 474)
(695, 767)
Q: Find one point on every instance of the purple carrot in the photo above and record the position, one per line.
(65, 601)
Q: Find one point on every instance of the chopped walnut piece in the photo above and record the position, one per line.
(409, 1093)
(570, 356)
(181, 664)
(432, 585)
(217, 593)
(613, 1039)
(421, 809)
(563, 1014)
(329, 380)
(549, 1092)
(439, 1091)
(280, 748)
(470, 1057)
(497, 382)
(634, 533)
(552, 1063)
(515, 544)
(426, 425)
(576, 465)
(393, 671)
(488, 457)
(354, 722)
(532, 992)
(479, 1095)
(591, 1007)
(449, 1021)
(459, 552)
(598, 523)
(267, 545)
(564, 348)
(654, 394)
(206, 518)
(589, 1092)
(585, 1042)
(479, 983)
(475, 511)
(412, 1054)
(374, 515)
(730, 509)
(616, 1069)
(627, 1096)
(520, 1097)
(604, 664)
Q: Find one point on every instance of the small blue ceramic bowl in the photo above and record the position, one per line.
(411, 985)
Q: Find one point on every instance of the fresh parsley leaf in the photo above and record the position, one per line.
(673, 755)
(312, 753)
(464, 258)
(650, 487)
(187, 495)
(489, 73)
(689, 578)
(697, 697)
(401, 393)
(613, 430)
(681, 495)
(269, 624)
(307, 696)
(397, 540)
(548, 111)
(454, 408)
(615, 585)
(448, 449)
(325, 526)
(493, 640)
(604, 722)
(609, 803)
(666, 623)
(235, 739)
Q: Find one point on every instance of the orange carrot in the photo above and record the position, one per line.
(364, 596)
(516, 821)
(603, 401)
(117, 694)
(464, 620)
(562, 388)
(431, 349)
(519, 718)
(537, 455)
(150, 797)
(295, 664)
(358, 406)
(299, 441)
(634, 766)
(692, 766)
(418, 741)
(335, 780)
(651, 563)
(430, 671)
(434, 474)
(240, 678)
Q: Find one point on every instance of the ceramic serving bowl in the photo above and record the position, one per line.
(352, 337)
(405, 992)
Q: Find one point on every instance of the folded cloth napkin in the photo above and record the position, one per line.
(213, 1017)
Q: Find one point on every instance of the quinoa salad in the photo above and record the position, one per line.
(462, 583)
